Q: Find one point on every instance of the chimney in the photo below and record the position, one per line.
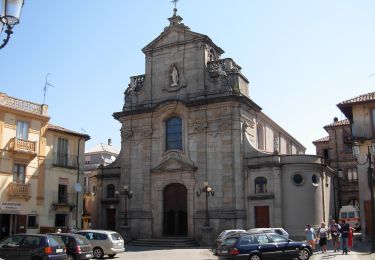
(109, 141)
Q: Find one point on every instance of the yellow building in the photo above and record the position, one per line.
(40, 166)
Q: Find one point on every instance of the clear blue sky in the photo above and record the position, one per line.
(301, 57)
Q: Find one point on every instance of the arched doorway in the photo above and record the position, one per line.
(175, 210)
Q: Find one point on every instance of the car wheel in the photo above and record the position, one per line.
(111, 255)
(255, 257)
(98, 252)
(303, 254)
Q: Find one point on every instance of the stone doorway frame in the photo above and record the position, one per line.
(158, 184)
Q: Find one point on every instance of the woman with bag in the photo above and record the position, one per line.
(323, 235)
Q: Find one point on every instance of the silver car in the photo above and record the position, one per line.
(104, 242)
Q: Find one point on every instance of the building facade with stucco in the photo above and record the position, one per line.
(189, 125)
(40, 166)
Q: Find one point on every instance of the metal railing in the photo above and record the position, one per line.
(18, 190)
(65, 160)
(64, 199)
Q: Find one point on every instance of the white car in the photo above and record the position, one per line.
(279, 231)
(104, 242)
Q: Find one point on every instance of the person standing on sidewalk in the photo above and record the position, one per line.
(350, 238)
(334, 229)
(322, 234)
(310, 236)
(344, 236)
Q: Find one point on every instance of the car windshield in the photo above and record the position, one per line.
(11, 241)
(56, 241)
(81, 240)
(116, 236)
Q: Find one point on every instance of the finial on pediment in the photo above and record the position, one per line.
(175, 20)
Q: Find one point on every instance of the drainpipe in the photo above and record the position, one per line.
(77, 193)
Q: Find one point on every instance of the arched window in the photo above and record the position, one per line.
(110, 191)
(260, 185)
(174, 133)
(260, 135)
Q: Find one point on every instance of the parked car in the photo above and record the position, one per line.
(223, 235)
(279, 231)
(77, 246)
(256, 246)
(104, 242)
(32, 246)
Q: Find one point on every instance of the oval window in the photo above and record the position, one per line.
(315, 179)
(297, 179)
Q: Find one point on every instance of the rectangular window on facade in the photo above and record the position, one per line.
(22, 131)
(355, 174)
(373, 119)
(350, 175)
(63, 190)
(62, 151)
(32, 221)
(19, 172)
(325, 154)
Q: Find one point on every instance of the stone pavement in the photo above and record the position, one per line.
(361, 250)
(154, 253)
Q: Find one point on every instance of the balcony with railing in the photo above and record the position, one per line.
(23, 105)
(63, 200)
(363, 131)
(19, 190)
(27, 147)
(65, 160)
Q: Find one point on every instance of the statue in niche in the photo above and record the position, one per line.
(174, 76)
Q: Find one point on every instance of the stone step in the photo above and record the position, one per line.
(165, 242)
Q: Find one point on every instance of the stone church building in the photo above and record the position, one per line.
(189, 126)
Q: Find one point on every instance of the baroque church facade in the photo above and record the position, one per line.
(189, 126)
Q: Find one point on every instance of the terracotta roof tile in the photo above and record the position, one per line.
(321, 140)
(359, 99)
(339, 123)
(64, 130)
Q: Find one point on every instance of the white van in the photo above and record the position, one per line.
(351, 215)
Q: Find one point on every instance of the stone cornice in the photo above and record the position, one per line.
(200, 102)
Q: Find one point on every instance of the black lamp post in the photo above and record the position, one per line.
(209, 191)
(127, 195)
(370, 175)
(10, 13)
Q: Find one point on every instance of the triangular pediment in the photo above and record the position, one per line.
(174, 165)
(177, 33)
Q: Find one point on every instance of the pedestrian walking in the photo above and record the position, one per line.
(310, 236)
(350, 239)
(344, 236)
(334, 230)
(322, 234)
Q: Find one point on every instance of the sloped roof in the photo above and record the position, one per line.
(61, 129)
(346, 106)
(359, 99)
(338, 123)
(321, 140)
(101, 147)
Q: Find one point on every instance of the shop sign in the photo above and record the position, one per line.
(10, 206)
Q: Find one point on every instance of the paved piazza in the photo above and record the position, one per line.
(150, 253)
(154, 253)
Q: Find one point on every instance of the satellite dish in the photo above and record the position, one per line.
(78, 187)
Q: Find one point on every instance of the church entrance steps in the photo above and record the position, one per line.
(175, 242)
